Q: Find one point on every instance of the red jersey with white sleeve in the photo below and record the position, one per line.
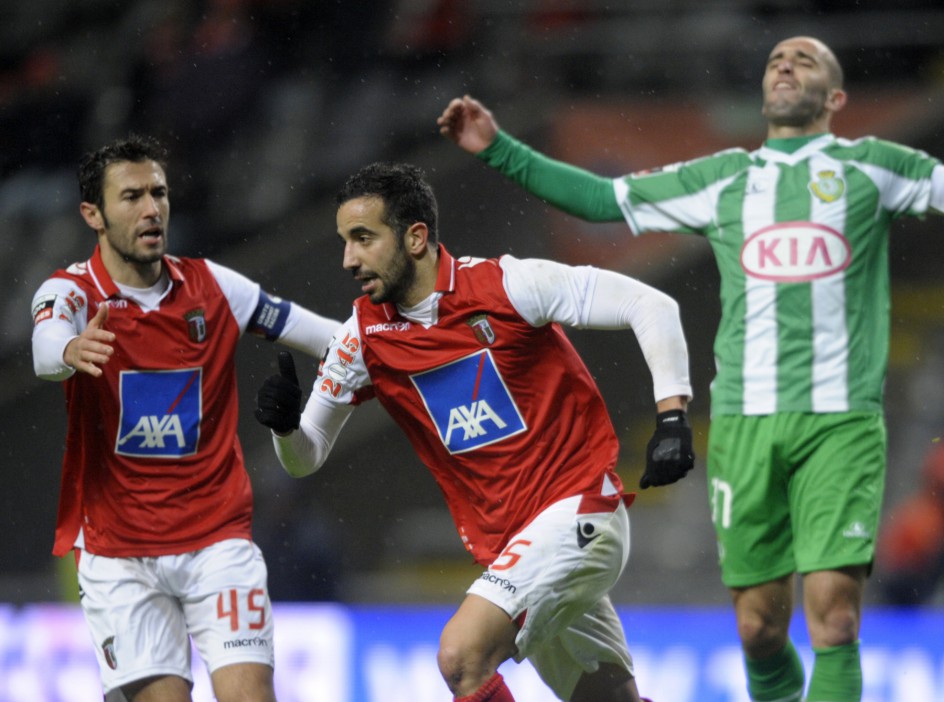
(152, 463)
(499, 407)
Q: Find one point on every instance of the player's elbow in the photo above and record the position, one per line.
(300, 469)
(664, 308)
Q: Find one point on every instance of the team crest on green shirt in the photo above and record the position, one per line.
(828, 187)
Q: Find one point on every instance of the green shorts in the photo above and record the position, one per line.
(795, 492)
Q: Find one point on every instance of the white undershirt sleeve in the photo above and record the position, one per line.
(304, 451)
(587, 297)
(304, 330)
(308, 332)
(60, 313)
(331, 403)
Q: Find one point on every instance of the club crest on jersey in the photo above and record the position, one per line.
(828, 187)
(482, 329)
(196, 325)
(469, 403)
(160, 413)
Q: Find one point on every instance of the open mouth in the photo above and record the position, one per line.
(153, 234)
(368, 283)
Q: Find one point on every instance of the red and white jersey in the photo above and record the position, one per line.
(503, 413)
(152, 464)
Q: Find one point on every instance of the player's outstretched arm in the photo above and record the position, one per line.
(468, 123)
(92, 348)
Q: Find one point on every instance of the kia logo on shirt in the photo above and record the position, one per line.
(795, 252)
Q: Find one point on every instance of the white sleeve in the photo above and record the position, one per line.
(272, 318)
(241, 292)
(936, 202)
(60, 313)
(304, 451)
(331, 402)
(308, 332)
(592, 298)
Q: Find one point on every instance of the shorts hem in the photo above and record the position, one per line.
(835, 565)
(143, 675)
(758, 579)
(222, 663)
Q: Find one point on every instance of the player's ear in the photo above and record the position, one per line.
(416, 238)
(836, 100)
(92, 215)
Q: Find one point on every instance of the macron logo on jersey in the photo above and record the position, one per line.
(469, 403)
(160, 413)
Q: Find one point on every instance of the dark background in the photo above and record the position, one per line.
(267, 106)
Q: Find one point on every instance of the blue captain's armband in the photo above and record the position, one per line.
(268, 319)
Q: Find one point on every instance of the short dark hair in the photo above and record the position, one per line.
(134, 148)
(407, 196)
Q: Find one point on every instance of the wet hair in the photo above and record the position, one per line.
(408, 198)
(134, 148)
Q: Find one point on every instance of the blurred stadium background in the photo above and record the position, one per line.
(267, 105)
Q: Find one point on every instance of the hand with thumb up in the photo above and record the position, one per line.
(279, 400)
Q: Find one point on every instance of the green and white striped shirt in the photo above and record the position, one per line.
(801, 243)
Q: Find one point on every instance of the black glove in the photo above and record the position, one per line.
(669, 455)
(279, 400)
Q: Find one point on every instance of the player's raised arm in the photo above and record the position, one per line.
(468, 123)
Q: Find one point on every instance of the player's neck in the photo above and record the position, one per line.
(424, 285)
(787, 131)
(131, 273)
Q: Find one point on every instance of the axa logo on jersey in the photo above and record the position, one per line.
(160, 413)
(795, 252)
(469, 403)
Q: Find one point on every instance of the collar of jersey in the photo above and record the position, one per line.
(776, 152)
(107, 287)
(445, 283)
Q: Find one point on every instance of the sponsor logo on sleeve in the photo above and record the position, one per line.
(43, 309)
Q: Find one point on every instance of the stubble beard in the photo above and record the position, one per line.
(397, 281)
(805, 111)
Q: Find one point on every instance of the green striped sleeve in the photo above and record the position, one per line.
(574, 190)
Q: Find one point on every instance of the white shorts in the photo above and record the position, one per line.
(555, 575)
(142, 612)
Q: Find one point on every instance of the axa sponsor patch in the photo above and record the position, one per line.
(469, 403)
(160, 413)
(795, 252)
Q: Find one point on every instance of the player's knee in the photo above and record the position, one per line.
(452, 666)
(760, 636)
(463, 670)
(840, 626)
